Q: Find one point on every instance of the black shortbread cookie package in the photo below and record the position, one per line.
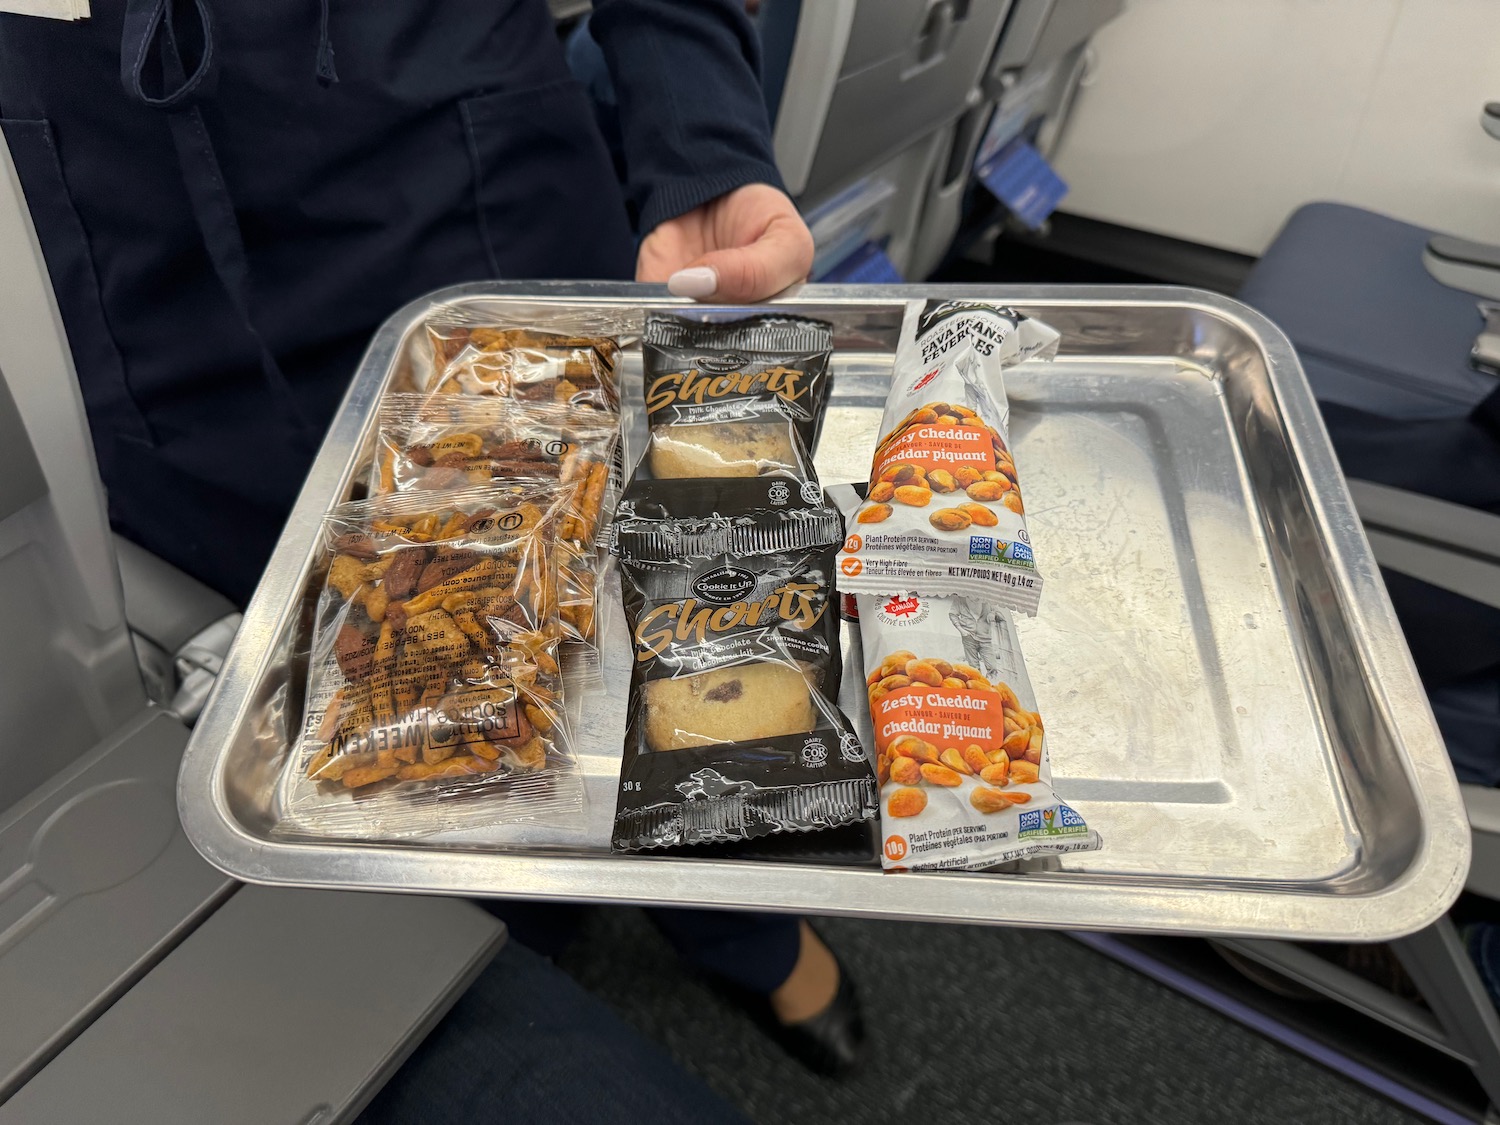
(734, 411)
(734, 727)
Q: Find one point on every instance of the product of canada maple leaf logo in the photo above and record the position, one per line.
(925, 379)
(901, 607)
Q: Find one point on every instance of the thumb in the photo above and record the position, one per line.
(780, 257)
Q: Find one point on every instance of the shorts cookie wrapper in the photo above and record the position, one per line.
(733, 410)
(734, 730)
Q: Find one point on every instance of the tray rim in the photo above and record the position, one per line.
(1419, 895)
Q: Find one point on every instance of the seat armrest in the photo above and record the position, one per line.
(163, 604)
(1438, 522)
(1460, 263)
(181, 628)
(1447, 545)
(1464, 251)
(196, 667)
(1483, 805)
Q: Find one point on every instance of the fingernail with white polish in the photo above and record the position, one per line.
(698, 282)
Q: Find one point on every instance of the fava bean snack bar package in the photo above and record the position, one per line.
(960, 750)
(944, 513)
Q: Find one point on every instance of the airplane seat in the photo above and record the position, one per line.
(1393, 325)
(888, 101)
(871, 92)
(1038, 66)
(131, 971)
(1375, 329)
(70, 675)
(1386, 334)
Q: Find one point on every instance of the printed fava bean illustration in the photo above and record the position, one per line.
(911, 761)
(914, 484)
(942, 514)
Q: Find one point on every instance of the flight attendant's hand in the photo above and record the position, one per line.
(744, 246)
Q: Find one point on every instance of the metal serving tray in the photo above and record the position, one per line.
(1228, 696)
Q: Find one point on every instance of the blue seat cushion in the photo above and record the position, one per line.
(1386, 349)
(1375, 331)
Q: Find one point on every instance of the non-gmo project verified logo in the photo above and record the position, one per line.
(1059, 820)
(985, 548)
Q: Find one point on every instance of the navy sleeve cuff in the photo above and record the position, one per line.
(692, 115)
(670, 198)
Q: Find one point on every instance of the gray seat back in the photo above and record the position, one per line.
(899, 93)
(68, 675)
(869, 78)
(873, 88)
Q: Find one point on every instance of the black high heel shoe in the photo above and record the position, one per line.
(827, 1043)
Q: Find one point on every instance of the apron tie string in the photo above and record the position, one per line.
(145, 23)
(151, 30)
(324, 70)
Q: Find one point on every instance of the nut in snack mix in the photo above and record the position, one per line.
(944, 511)
(433, 672)
(733, 411)
(525, 364)
(460, 441)
(960, 750)
(734, 731)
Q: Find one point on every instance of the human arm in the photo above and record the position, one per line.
(701, 176)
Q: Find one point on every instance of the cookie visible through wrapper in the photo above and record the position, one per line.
(734, 730)
(737, 704)
(733, 411)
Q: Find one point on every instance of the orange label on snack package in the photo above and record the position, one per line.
(895, 848)
(937, 447)
(942, 716)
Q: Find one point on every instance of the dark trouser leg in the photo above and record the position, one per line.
(547, 928)
(525, 1043)
(755, 951)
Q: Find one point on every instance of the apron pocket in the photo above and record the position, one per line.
(548, 202)
(65, 247)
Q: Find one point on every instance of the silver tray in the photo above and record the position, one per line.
(1228, 696)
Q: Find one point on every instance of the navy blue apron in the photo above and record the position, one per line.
(231, 196)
